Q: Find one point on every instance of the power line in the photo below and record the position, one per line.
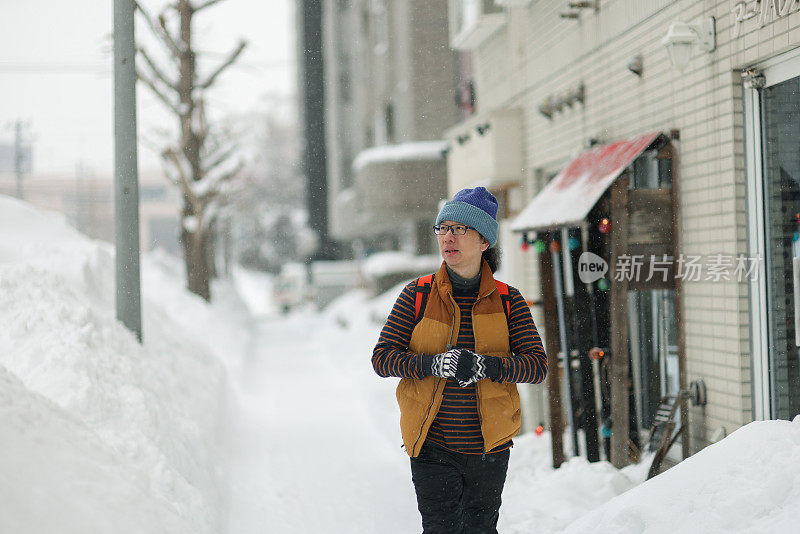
(103, 68)
(55, 67)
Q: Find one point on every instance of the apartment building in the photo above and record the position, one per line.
(664, 130)
(390, 93)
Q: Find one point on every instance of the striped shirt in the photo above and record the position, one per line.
(457, 424)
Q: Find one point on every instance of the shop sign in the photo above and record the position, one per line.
(761, 12)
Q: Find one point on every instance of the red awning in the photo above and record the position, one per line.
(567, 199)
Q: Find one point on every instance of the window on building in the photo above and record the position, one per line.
(381, 18)
(468, 12)
(345, 91)
(365, 21)
(654, 350)
(388, 118)
(650, 172)
(491, 6)
(152, 192)
(346, 167)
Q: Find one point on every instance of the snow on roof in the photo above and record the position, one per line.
(415, 151)
(568, 198)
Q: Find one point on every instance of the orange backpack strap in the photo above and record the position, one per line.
(505, 299)
(422, 289)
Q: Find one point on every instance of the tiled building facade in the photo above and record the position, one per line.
(530, 56)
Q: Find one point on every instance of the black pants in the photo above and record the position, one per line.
(458, 493)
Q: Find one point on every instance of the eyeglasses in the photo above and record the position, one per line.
(457, 229)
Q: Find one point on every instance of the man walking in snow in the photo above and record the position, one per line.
(460, 341)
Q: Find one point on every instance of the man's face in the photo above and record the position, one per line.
(462, 253)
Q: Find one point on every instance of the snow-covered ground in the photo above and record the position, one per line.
(748, 482)
(97, 432)
(231, 419)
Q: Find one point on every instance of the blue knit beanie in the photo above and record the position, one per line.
(476, 208)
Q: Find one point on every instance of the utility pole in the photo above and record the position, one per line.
(310, 12)
(18, 156)
(126, 177)
(80, 204)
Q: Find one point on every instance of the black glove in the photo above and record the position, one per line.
(442, 365)
(473, 367)
(462, 364)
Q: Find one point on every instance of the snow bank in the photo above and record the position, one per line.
(96, 429)
(60, 476)
(748, 482)
(383, 263)
(256, 290)
(357, 308)
(538, 498)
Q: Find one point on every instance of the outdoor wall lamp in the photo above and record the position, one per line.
(636, 65)
(682, 36)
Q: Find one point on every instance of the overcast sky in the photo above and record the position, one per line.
(55, 74)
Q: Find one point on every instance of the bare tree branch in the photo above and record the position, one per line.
(214, 187)
(207, 3)
(220, 159)
(227, 63)
(158, 92)
(172, 156)
(157, 71)
(160, 31)
(162, 22)
(151, 144)
(218, 139)
(170, 176)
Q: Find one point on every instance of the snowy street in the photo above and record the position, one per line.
(565, 231)
(230, 422)
(311, 452)
(317, 444)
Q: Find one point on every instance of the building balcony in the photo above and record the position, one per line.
(394, 186)
(486, 150)
(474, 21)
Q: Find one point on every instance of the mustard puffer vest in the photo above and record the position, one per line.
(419, 400)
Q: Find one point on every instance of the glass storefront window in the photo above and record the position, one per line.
(650, 172)
(654, 351)
(780, 104)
